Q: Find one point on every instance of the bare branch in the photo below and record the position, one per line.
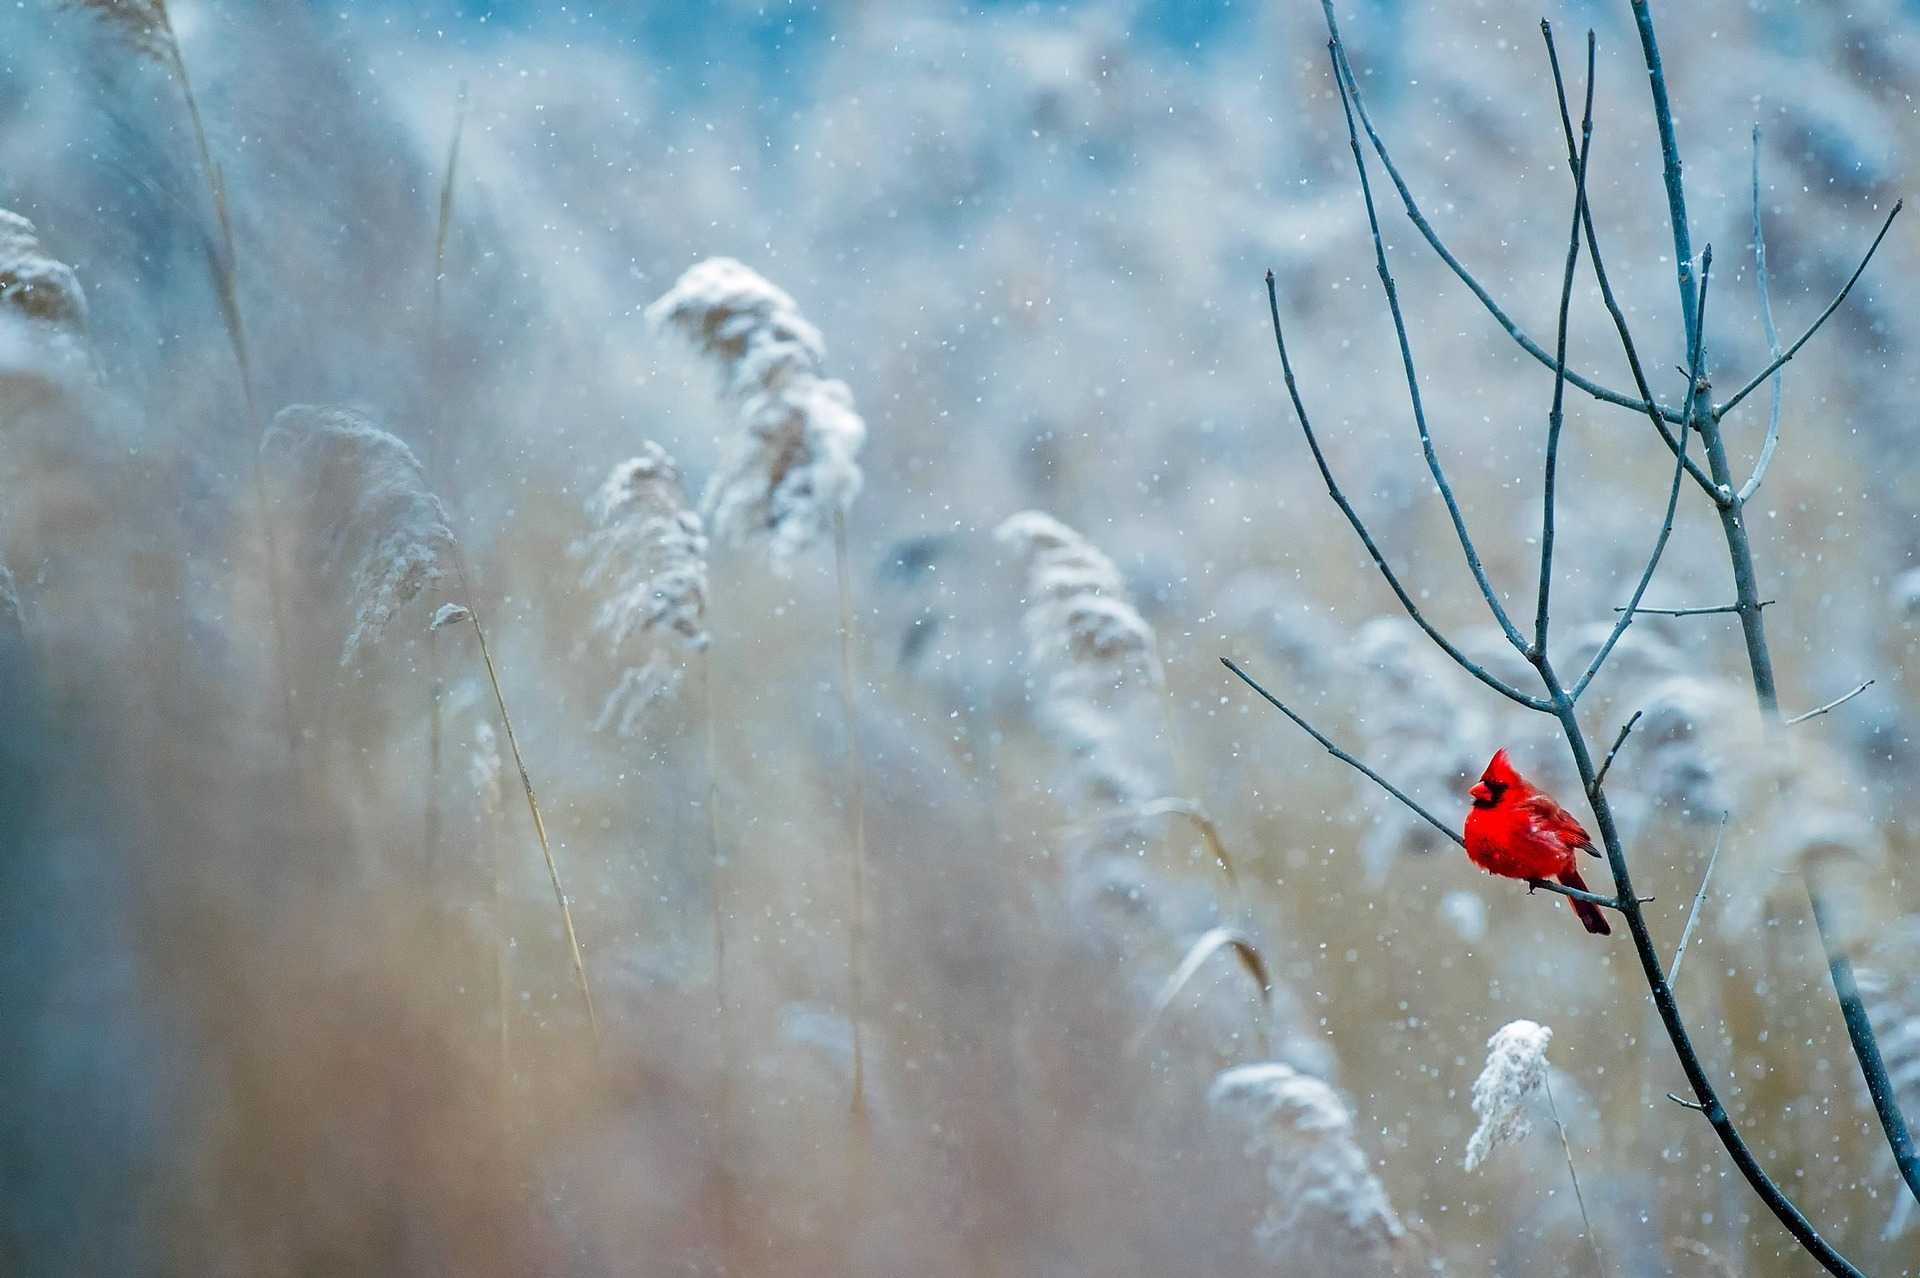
(1574, 894)
(1834, 305)
(1343, 73)
(1691, 612)
(1817, 711)
(1465, 662)
(1592, 898)
(1434, 468)
(1343, 756)
(1693, 916)
(1772, 441)
(1556, 416)
(1619, 316)
(1673, 496)
(1600, 777)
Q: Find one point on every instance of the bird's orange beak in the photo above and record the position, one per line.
(1480, 793)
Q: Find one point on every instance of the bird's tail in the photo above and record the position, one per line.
(1589, 914)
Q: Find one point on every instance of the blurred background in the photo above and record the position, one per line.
(306, 1006)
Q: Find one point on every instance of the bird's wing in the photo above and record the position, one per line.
(1549, 818)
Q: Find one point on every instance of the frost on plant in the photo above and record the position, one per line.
(11, 620)
(43, 310)
(358, 493)
(646, 560)
(1326, 1208)
(794, 467)
(142, 24)
(1092, 657)
(1516, 1069)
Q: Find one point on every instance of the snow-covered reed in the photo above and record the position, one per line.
(787, 479)
(1515, 1072)
(1327, 1211)
(43, 309)
(793, 470)
(1090, 654)
(646, 560)
(371, 519)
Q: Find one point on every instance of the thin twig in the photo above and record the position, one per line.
(1412, 804)
(1577, 894)
(1614, 311)
(1556, 416)
(1419, 220)
(1841, 700)
(1600, 777)
(1645, 611)
(1434, 468)
(1666, 523)
(1343, 756)
(1780, 361)
(1586, 1224)
(1699, 898)
(1772, 440)
(1359, 526)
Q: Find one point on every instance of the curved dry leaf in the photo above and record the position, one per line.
(1211, 942)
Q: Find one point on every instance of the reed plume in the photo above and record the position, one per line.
(1515, 1073)
(372, 519)
(787, 479)
(1327, 1212)
(13, 622)
(43, 309)
(1093, 659)
(646, 561)
(360, 491)
(794, 470)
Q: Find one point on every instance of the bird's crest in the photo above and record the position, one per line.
(1500, 768)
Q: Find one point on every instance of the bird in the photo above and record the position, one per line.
(1515, 830)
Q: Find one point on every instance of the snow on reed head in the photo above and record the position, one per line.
(1091, 651)
(1326, 1208)
(143, 24)
(647, 558)
(367, 508)
(12, 621)
(1516, 1069)
(795, 465)
(1080, 625)
(43, 310)
(34, 285)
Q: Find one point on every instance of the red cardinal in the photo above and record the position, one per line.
(1516, 831)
